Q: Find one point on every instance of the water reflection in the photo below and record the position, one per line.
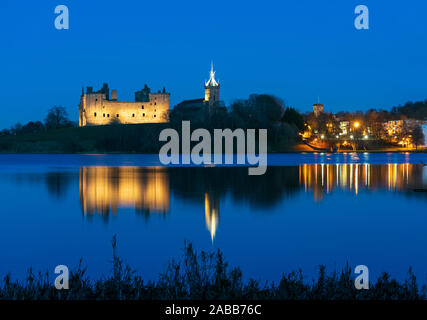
(211, 213)
(105, 189)
(325, 178)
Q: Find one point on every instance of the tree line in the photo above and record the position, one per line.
(57, 117)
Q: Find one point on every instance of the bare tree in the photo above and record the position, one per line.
(57, 117)
(417, 136)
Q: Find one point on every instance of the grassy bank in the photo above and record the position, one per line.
(113, 138)
(206, 275)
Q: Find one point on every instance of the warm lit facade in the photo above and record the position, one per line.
(98, 108)
(393, 127)
(344, 127)
(317, 109)
(212, 89)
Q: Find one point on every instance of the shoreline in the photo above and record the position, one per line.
(386, 151)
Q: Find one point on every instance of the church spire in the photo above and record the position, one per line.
(211, 82)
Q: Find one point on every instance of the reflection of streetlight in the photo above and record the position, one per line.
(356, 124)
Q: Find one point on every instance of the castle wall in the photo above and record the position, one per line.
(95, 109)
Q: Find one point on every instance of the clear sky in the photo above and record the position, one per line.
(297, 50)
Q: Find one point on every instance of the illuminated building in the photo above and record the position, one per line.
(198, 109)
(317, 109)
(211, 89)
(98, 108)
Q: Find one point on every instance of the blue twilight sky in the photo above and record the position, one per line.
(297, 50)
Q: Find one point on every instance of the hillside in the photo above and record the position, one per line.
(114, 138)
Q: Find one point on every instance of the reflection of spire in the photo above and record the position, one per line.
(211, 213)
(211, 82)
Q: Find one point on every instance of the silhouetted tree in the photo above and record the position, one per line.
(292, 116)
(417, 136)
(16, 129)
(57, 117)
(32, 127)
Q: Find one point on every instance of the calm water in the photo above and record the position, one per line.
(308, 209)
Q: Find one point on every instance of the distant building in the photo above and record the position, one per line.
(98, 108)
(317, 109)
(424, 128)
(344, 127)
(393, 127)
(198, 109)
(212, 89)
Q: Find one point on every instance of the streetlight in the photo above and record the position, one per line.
(356, 124)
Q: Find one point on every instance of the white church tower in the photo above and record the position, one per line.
(212, 89)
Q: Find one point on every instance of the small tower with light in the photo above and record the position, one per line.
(212, 89)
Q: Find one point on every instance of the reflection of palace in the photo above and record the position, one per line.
(324, 178)
(105, 189)
(211, 213)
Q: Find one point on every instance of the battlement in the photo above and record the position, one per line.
(97, 108)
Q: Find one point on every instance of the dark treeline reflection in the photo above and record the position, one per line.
(57, 183)
(193, 183)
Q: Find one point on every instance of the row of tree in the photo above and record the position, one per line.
(259, 111)
(57, 117)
